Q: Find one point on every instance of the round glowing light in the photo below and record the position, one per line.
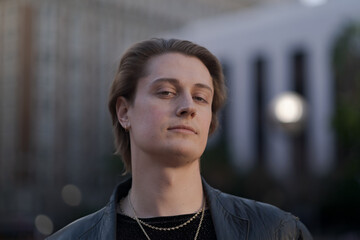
(44, 224)
(289, 108)
(71, 195)
(313, 3)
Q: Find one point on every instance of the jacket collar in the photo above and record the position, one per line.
(227, 224)
(227, 220)
(108, 225)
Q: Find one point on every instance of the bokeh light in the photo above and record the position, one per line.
(288, 107)
(44, 224)
(71, 195)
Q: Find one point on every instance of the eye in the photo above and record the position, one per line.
(200, 99)
(166, 93)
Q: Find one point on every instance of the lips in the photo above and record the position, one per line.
(183, 128)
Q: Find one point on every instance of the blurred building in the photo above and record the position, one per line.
(57, 59)
(266, 52)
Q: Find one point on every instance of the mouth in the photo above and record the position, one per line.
(183, 129)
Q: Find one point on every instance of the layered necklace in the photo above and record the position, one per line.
(141, 223)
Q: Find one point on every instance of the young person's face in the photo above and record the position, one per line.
(171, 113)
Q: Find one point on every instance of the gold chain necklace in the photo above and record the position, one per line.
(170, 228)
(140, 222)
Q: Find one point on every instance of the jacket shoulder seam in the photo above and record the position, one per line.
(95, 224)
(218, 193)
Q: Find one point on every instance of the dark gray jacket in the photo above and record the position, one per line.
(233, 218)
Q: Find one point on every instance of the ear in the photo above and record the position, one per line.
(122, 108)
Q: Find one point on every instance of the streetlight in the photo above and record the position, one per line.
(288, 110)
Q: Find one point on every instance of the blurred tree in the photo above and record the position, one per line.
(346, 65)
(341, 204)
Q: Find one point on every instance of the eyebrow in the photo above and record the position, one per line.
(176, 82)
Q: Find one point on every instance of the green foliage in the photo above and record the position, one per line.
(340, 204)
(347, 125)
(346, 65)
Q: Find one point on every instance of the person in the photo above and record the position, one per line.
(164, 103)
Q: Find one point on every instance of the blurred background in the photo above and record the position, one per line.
(289, 135)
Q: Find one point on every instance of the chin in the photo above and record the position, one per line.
(186, 156)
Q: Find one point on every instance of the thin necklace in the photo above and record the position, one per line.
(140, 222)
(169, 228)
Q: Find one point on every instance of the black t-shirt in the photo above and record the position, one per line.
(128, 229)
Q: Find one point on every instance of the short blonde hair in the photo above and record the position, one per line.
(132, 67)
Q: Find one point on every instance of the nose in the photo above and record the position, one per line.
(186, 108)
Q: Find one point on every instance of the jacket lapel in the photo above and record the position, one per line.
(108, 225)
(227, 223)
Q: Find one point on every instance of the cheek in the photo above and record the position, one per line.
(156, 112)
(207, 118)
(150, 116)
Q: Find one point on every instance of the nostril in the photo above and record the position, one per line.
(186, 111)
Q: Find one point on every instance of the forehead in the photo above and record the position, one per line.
(178, 66)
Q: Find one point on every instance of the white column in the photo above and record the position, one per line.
(321, 99)
(241, 124)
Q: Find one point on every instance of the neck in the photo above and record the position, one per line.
(159, 191)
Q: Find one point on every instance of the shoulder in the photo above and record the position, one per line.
(81, 227)
(264, 220)
(99, 225)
